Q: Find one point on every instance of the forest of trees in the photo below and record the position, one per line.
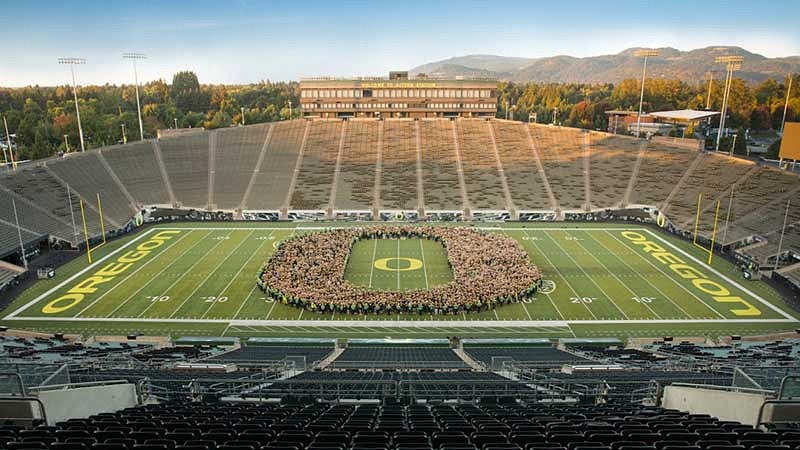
(41, 116)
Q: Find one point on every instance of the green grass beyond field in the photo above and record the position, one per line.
(601, 280)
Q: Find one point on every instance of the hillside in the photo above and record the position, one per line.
(671, 63)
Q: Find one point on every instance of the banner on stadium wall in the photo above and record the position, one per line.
(306, 214)
(490, 216)
(353, 215)
(399, 215)
(536, 216)
(268, 216)
(444, 216)
(790, 143)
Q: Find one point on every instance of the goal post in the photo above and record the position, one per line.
(89, 248)
(709, 250)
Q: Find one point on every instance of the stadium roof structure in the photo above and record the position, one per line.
(680, 115)
(683, 115)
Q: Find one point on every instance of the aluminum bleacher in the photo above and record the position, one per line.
(136, 166)
(236, 155)
(86, 175)
(186, 160)
(398, 182)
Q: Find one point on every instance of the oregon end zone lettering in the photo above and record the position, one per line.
(700, 281)
(77, 293)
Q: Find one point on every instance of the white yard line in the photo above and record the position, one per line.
(658, 316)
(235, 276)
(547, 259)
(398, 260)
(155, 277)
(410, 323)
(424, 266)
(189, 270)
(164, 250)
(372, 262)
(669, 278)
(239, 309)
(579, 266)
(717, 273)
(76, 275)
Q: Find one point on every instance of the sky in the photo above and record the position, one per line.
(246, 41)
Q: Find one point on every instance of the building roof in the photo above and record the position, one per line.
(686, 115)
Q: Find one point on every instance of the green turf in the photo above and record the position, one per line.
(206, 273)
(398, 264)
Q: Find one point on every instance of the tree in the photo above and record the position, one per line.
(186, 91)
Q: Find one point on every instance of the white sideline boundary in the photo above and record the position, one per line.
(400, 323)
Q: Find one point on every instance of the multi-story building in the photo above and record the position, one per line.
(398, 96)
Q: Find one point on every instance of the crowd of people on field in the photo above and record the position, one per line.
(488, 270)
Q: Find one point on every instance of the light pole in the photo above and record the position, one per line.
(290, 108)
(124, 138)
(71, 61)
(66, 142)
(175, 120)
(555, 115)
(732, 63)
(710, 84)
(134, 57)
(242, 109)
(733, 146)
(786, 104)
(642, 54)
(8, 143)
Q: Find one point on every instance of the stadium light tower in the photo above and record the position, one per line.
(642, 54)
(786, 104)
(134, 57)
(732, 63)
(72, 62)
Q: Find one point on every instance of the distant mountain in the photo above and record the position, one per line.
(688, 66)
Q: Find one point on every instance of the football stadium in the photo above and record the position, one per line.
(399, 262)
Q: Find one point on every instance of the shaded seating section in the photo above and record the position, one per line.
(89, 177)
(398, 179)
(767, 251)
(712, 177)
(46, 204)
(356, 184)
(617, 355)
(481, 174)
(314, 181)
(627, 384)
(439, 166)
(51, 350)
(271, 183)
(563, 157)
(186, 161)
(404, 385)
(308, 425)
(522, 353)
(6, 276)
(181, 353)
(612, 160)
(136, 166)
(9, 238)
(749, 214)
(525, 181)
(773, 353)
(397, 356)
(253, 354)
(660, 170)
(235, 157)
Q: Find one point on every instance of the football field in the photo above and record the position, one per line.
(598, 281)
